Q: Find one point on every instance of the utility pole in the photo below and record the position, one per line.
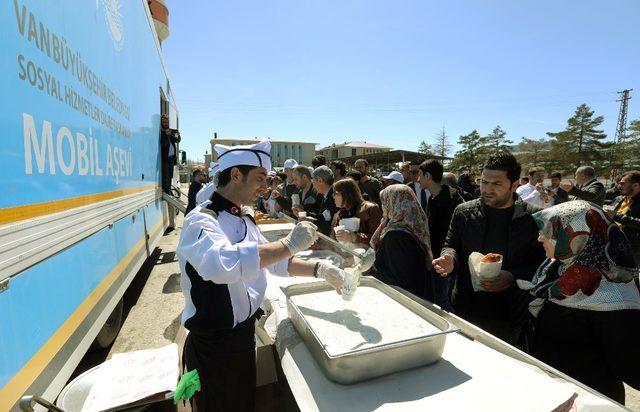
(622, 116)
(621, 132)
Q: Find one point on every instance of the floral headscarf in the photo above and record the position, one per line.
(589, 250)
(405, 214)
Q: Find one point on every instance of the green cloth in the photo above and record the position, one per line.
(187, 387)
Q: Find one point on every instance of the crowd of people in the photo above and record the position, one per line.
(567, 289)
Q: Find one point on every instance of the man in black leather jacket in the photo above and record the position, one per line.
(498, 222)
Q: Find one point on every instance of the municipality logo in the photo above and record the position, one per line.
(113, 18)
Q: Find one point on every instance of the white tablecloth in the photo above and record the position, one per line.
(470, 376)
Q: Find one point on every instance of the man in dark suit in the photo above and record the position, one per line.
(199, 178)
(326, 205)
(422, 194)
(587, 186)
(559, 195)
(169, 138)
(288, 188)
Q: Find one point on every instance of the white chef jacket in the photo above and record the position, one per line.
(221, 278)
(205, 193)
(530, 194)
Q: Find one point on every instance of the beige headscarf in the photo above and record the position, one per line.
(405, 214)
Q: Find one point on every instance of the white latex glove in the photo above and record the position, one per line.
(303, 235)
(332, 274)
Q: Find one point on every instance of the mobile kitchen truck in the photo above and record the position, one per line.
(83, 88)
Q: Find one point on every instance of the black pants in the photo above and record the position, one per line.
(599, 349)
(441, 290)
(167, 173)
(226, 364)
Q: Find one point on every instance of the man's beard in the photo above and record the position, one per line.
(496, 201)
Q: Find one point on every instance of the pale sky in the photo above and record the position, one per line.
(395, 72)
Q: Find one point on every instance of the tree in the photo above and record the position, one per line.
(442, 146)
(580, 142)
(425, 149)
(531, 152)
(468, 157)
(494, 142)
(629, 152)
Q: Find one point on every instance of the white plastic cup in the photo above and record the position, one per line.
(350, 284)
(302, 213)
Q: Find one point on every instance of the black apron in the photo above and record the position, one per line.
(226, 364)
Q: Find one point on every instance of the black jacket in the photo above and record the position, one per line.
(592, 191)
(560, 196)
(194, 188)
(309, 201)
(469, 187)
(611, 194)
(324, 203)
(630, 223)
(169, 137)
(440, 210)
(413, 187)
(467, 234)
(400, 261)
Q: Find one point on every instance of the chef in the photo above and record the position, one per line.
(224, 260)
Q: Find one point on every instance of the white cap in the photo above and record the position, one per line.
(248, 155)
(213, 168)
(290, 163)
(397, 176)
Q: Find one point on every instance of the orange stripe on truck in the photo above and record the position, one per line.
(23, 212)
(22, 380)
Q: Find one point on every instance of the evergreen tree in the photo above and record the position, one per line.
(580, 143)
(425, 149)
(630, 150)
(532, 152)
(442, 146)
(468, 157)
(495, 142)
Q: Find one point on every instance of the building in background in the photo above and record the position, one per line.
(207, 159)
(350, 149)
(281, 150)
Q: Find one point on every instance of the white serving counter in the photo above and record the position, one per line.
(471, 376)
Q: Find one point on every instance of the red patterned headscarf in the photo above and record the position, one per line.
(588, 247)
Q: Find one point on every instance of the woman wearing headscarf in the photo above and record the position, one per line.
(587, 306)
(350, 202)
(402, 244)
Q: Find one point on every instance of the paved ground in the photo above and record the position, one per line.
(152, 305)
(154, 320)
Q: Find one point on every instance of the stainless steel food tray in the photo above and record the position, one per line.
(362, 364)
